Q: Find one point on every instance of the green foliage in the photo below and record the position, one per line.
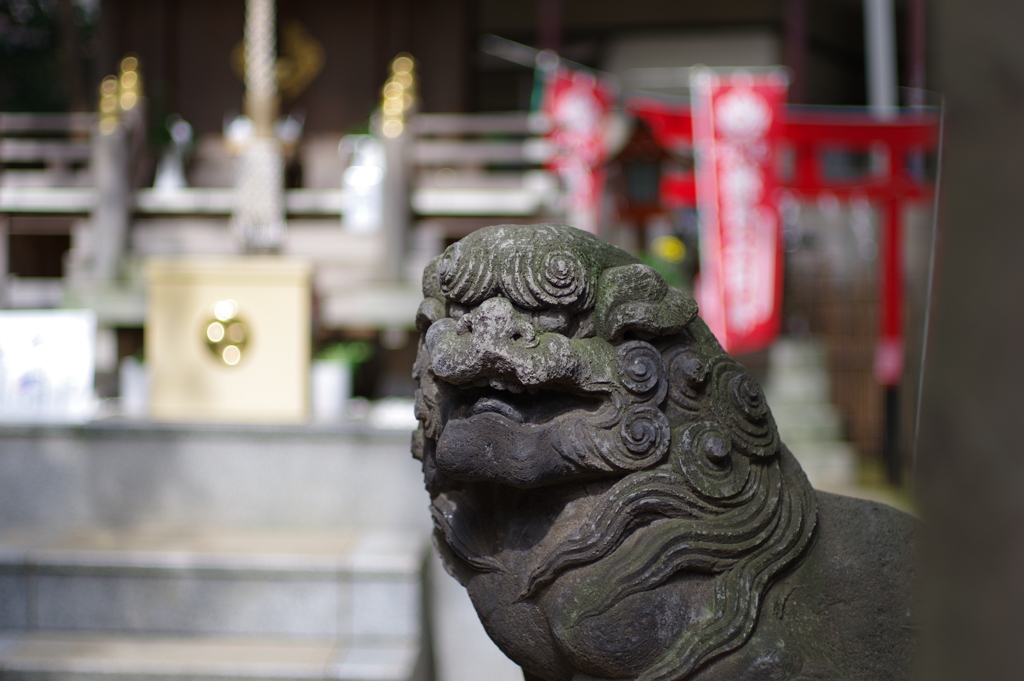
(361, 128)
(670, 271)
(32, 75)
(352, 353)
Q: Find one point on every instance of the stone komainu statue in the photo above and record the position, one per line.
(610, 486)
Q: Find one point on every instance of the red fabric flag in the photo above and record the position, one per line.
(578, 105)
(736, 128)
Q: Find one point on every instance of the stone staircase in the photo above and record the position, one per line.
(797, 389)
(210, 588)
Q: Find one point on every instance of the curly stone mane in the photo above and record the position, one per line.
(730, 502)
(670, 438)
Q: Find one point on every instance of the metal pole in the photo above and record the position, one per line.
(916, 50)
(891, 436)
(889, 357)
(880, 51)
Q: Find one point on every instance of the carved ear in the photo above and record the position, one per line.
(636, 298)
(431, 284)
(430, 310)
(432, 307)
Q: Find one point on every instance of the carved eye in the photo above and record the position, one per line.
(562, 278)
(556, 321)
(465, 274)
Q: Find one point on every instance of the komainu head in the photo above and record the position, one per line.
(607, 483)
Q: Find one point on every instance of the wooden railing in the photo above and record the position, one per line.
(45, 150)
(486, 165)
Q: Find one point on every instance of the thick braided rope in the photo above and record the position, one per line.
(260, 49)
(258, 220)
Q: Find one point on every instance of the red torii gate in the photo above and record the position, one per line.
(808, 133)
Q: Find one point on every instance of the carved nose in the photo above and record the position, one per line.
(497, 320)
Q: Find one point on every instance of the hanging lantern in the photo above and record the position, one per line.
(635, 176)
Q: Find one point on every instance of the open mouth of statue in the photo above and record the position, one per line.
(517, 405)
(513, 437)
(497, 405)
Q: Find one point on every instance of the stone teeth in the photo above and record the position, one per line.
(497, 406)
(499, 384)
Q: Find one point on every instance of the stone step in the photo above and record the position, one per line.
(822, 450)
(53, 656)
(293, 584)
(123, 474)
(792, 433)
(797, 372)
(802, 412)
(807, 422)
(830, 475)
(827, 464)
(788, 353)
(796, 386)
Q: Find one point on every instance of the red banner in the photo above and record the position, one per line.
(578, 105)
(736, 128)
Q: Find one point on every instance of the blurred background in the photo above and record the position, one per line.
(213, 220)
(135, 136)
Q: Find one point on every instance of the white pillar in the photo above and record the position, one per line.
(880, 52)
(111, 213)
(119, 129)
(394, 131)
(395, 213)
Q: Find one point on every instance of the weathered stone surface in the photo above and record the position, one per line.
(610, 486)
